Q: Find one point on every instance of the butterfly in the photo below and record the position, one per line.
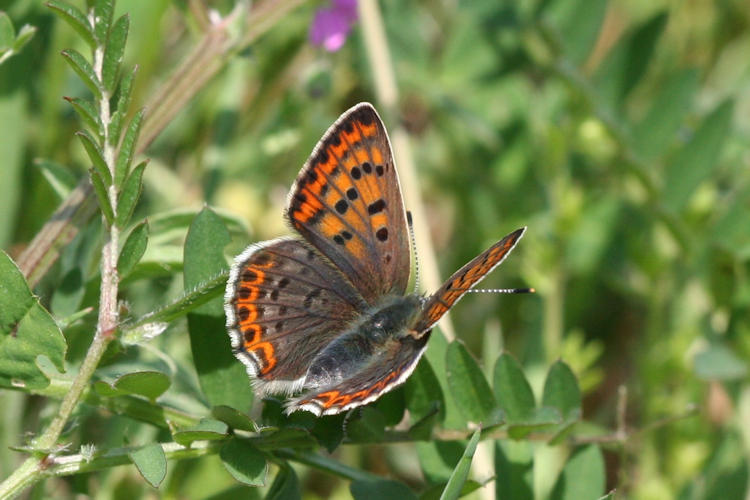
(325, 318)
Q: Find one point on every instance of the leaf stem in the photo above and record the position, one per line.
(35, 467)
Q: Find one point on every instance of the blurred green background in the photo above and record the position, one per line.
(617, 131)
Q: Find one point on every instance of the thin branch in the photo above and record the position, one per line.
(386, 89)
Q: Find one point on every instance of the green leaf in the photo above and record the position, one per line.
(456, 482)
(378, 489)
(125, 91)
(113, 53)
(438, 459)
(512, 390)
(696, 160)
(24, 36)
(392, 406)
(730, 229)
(289, 437)
(151, 463)
(583, 476)
(625, 65)
(133, 249)
(561, 391)
(434, 492)
(233, 418)
(87, 113)
(329, 431)
(592, 236)
(222, 378)
(368, 427)
(191, 300)
(150, 384)
(206, 430)
(285, 485)
(103, 12)
(245, 462)
(100, 191)
(26, 331)
(59, 178)
(68, 293)
(115, 125)
(673, 100)
(7, 32)
(131, 191)
(468, 386)
(76, 19)
(718, 362)
(96, 156)
(125, 156)
(84, 70)
(578, 24)
(423, 391)
(514, 470)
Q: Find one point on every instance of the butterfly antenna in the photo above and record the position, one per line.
(501, 290)
(413, 250)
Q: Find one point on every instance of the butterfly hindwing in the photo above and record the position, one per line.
(464, 279)
(285, 303)
(386, 369)
(347, 203)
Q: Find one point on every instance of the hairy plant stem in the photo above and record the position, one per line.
(35, 467)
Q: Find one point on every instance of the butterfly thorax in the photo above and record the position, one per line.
(378, 331)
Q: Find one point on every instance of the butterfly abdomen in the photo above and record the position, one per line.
(378, 330)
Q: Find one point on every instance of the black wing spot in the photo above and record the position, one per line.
(244, 293)
(365, 116)
(339, 239)
(310, 297)
(279, 325)
(376, 207)
(367, 167)
(379, 170)
(275, 295)
(283, 282)
(341, 206)
(352, 194)
(347, 235)
(243, 313)
(382, 234)
(356, 173)
(249, 275)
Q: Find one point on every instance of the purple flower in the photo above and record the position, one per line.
(332, 24)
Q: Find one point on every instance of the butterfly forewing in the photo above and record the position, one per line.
(347, 202)
(285, 303)
(464, 279)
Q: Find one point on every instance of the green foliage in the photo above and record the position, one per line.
(614, 131)
(11, 42)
